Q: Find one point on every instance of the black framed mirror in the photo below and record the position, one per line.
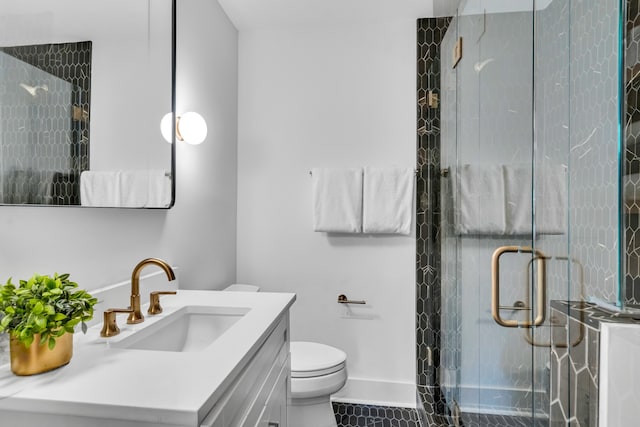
(83, 88)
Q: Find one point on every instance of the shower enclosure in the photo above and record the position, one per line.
(520, 184)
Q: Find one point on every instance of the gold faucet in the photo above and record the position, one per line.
(136, 315)
(109, 325)
(154, 301)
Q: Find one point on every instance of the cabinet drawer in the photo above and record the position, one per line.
(274, 412)
(266, 393)
(236, 403)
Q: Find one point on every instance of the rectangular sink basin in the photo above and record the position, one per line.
(190, 329)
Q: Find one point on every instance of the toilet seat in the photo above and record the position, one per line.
(311, 359)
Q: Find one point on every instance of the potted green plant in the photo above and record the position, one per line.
(40, 316)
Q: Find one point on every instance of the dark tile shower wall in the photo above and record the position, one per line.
(574, 361)
(428, 309)
(575, 371)
(48, 155)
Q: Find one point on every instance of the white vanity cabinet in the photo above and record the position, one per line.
(259, 394)
(274, 413)
(242, 378)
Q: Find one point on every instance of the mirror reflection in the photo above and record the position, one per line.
(44, 122)
(83, 87)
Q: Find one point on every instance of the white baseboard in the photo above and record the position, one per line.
(379, 393)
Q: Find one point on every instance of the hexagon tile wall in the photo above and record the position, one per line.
(44, 126)
(428, 308)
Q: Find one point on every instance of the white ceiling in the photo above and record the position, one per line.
(248, 14)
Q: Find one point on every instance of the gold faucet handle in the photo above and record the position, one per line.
(154, 301)
(109, 326)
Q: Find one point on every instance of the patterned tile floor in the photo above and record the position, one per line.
(352, 415)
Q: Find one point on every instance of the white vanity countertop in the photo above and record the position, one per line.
(151, 386)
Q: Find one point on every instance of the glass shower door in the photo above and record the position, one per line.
(504, 227)
(530, 222)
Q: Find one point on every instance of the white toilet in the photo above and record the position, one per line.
(317, 371)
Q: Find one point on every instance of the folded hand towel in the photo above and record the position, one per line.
(133, 189)
(387, 200)
(481, 200)
(337, 200)
(518, 194)
(551, 199)
(149, 188)
(130, 189)
(99, 188)
(159, 191)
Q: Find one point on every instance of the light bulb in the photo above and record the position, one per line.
(166, 128)
(192, 128)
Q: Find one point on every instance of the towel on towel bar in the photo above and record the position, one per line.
(132, 189)
(99, 188)
(481, 200)
(387, 200)
(337, 200)
(550, 199)
(145, 188)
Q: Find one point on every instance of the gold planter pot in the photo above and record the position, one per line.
(38, 358)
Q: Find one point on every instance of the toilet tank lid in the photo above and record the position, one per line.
(313, 356)
(237, 287)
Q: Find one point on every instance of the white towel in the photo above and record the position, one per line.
(131, 189)
(518, 194)
(159, 191)
(149, 188)
(337, 200)
(551, 199)
(387, 200)
(99, 188)
(134, 186)
(482, 200)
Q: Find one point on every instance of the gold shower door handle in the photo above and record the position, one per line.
(541, 286)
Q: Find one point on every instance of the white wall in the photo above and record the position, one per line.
(333, 96)
(101, 246)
